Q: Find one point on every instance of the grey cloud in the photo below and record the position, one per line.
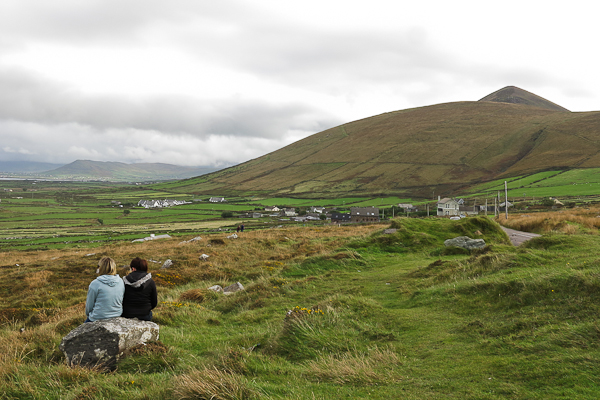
(64, 143)
(322, 60)
(118, 22)
(27, 98)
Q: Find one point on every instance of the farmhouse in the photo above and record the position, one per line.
(408, 207)
(487, 209)
(364, 214)
(160, 203)
(217, 199)
(339, 218)
(271, 208)
(447, 206)
(468, 210)
(288, 212)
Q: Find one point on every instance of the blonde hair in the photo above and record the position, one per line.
(107, 266)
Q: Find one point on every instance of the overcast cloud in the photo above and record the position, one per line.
(218, 83)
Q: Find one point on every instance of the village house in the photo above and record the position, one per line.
(288, 212)
(468, 210)
(271, 208)
(216, 199)
(447, 206)
(408, 207)
(487, 209)
(160, 203)
(319, 210)
(340, 218)
(364, 214)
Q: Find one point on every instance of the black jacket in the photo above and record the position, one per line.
(140, 294)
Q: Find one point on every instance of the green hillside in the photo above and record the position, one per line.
(117, 171)
(327, 313)
(439, 149)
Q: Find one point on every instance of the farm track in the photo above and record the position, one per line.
(517, 237)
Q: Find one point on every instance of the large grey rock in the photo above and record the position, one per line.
(216, 288)
(465, 242)
(102, 343)
(236, 287)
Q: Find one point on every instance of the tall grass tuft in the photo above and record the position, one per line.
(585, 220)
(357, 368)
(213, 384)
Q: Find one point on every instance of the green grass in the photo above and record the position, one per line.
(390, 315)
(571, 183)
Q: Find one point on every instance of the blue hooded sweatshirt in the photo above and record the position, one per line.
(105, 297)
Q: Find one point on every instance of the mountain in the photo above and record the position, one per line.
(27, 167)
(116, 171)
(439, 149)
(515, 95)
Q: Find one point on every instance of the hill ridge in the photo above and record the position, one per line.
(515, 95)
(413, 152)
(120, 171)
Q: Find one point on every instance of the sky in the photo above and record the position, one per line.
(217, 83)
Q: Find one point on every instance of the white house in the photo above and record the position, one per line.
(217, 199)
(447, 206)
(288, 212)
(272, 208)
(160, 203)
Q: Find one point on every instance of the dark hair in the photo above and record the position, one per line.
(139, 264)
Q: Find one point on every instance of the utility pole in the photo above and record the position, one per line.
(498, 202)
(506, 199)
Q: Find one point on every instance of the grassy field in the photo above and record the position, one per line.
(571, 183)
(45, 215)
(328, 312)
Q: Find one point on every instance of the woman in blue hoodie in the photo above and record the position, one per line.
(105, 293)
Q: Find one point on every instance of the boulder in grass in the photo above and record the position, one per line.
(167, 264)
(216, 288)
(100, 344)
(465, 242)
(236, 287)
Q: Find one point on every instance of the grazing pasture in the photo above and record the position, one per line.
(327, 312)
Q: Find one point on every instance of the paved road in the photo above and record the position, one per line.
(518, 237)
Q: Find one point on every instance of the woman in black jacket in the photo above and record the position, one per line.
(140, 292)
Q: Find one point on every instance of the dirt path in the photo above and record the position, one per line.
(518, 237)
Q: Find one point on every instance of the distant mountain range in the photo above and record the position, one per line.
(442, 149)
(26, 167)
(109, 171)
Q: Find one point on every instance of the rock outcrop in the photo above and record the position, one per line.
(100, 344)
(465, 242)
(236, 287)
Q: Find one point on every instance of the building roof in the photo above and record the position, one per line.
(446, 200)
